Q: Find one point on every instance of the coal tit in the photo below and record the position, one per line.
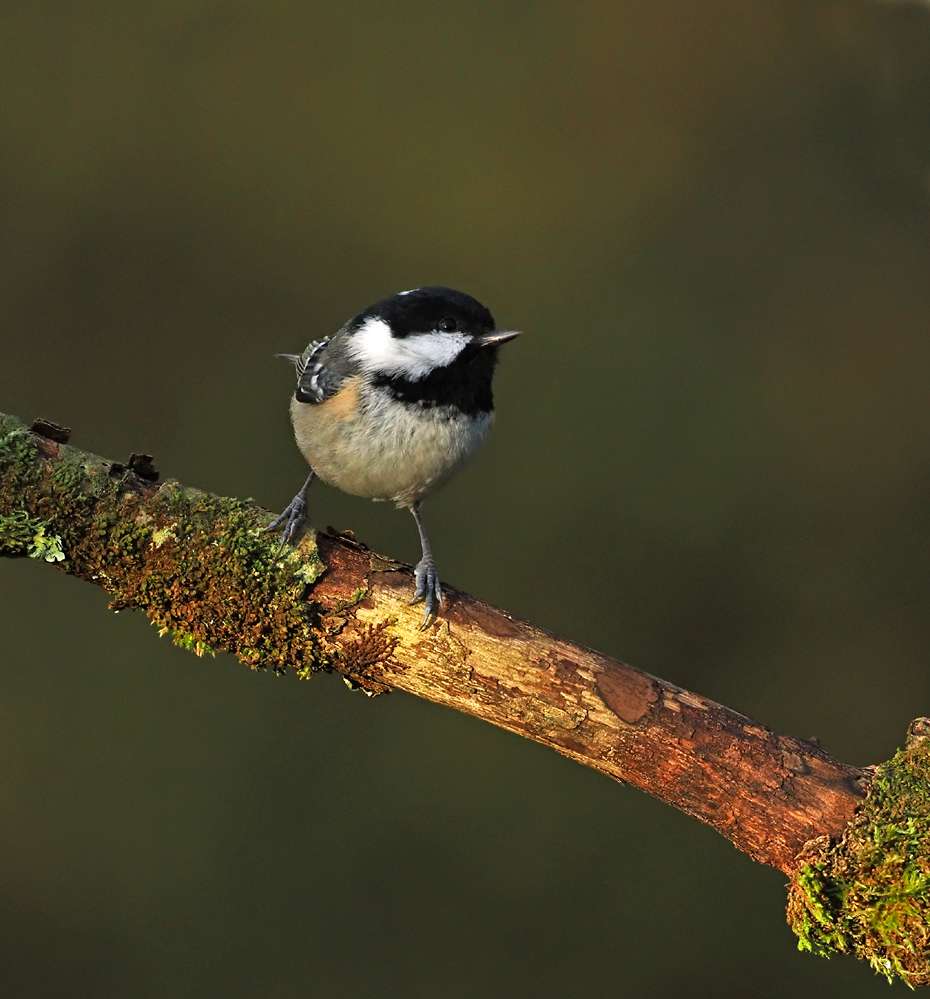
(389, 406)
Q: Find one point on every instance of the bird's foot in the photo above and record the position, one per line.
(427, 589)
(291, 519)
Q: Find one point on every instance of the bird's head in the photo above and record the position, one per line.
(417, 333)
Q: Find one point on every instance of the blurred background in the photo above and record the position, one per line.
(712, 459)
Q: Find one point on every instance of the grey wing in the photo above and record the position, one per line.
(316, 380)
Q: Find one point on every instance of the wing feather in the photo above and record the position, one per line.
(316, 381)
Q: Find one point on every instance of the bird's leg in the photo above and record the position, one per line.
(427, 578)
(294, 515)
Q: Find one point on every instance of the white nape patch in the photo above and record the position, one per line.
(412, 357)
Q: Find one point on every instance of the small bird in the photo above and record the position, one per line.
(391, 404)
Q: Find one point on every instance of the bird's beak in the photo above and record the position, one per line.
(293, 358)
(495, 339)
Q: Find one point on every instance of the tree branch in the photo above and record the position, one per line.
(856, 843)
(203, 570)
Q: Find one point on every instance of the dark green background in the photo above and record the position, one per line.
(712, 459)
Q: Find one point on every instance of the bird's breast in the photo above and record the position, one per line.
(367, 443)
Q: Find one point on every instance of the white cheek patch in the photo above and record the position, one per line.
(412, 357)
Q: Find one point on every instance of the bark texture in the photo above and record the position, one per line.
(202, 569)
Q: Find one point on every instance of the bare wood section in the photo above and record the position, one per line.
(768, 794)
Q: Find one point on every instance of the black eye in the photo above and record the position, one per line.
(448, 324)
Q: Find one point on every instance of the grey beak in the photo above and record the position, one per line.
(293, 358)
(495, 339)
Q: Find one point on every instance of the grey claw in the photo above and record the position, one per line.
(291, 518)
(427, 589)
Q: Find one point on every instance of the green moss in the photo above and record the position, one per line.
(18, 455)
(224, 582)
(68, 474)
(869, 893)
(17, 531)
(21, 534)
(162, 535)
(8, 424)
(46, 546)
(185, 640)
(16, 444)
(202, 567)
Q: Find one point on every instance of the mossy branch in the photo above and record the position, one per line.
(868, 892)
(204, 570)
